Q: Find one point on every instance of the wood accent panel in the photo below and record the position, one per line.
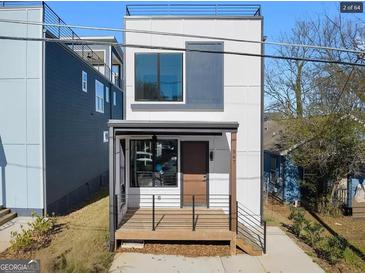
(194, 168)
(195, 184)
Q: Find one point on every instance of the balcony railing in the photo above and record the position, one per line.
(64, 32)
(193, 10)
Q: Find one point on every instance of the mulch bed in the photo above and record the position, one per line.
(183, 249)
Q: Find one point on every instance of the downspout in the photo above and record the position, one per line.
(110, 84)
(45, 212)
(262, 123)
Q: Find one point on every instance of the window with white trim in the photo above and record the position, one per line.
(84, 81)
(107, 94)
(99, 96)
(114, 98)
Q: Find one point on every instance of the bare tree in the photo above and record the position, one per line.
(323, 103)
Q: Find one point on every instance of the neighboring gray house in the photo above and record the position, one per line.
(55, 102)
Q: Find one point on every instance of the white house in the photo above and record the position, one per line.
(186, 163)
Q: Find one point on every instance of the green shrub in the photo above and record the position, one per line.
(35, 236)
(332, 249)
(312, 233)
(297, 216)
(21, 240)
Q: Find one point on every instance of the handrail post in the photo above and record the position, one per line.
(193, 212)
(264, 237)
(115, 211)
(230, 212)
(236, 217)
(153, 212)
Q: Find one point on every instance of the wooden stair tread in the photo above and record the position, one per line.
(7, 217)
(4, 211)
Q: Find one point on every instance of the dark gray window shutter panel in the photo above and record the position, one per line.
(205, 76)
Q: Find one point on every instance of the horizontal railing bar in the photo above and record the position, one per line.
(255, 231)
(250, 232)
(249, 226)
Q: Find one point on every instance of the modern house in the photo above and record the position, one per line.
(55, 102)
(187, 162)
(282, 177)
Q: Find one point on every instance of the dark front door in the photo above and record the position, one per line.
(194, 168)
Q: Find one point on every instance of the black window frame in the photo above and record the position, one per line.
(154, 141)
(158, 77)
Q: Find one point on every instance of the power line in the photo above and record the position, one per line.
(91, 42)
(182, 35)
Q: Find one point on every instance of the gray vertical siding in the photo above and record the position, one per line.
(76, 156)
(21, 179)
(206, 94)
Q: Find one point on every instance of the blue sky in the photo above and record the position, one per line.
(278, 16)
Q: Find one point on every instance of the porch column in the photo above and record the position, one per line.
(233, 181)
(111, 190)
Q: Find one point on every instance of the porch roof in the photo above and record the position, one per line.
(171, 127)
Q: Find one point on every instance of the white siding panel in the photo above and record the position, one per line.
(16, 176)
(34, 174)
(242, 96)
(34, 115)
(13, 111)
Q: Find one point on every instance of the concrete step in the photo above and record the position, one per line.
(7, 218)
(4, 211)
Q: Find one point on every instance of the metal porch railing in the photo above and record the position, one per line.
(251, 228)
(174, 211)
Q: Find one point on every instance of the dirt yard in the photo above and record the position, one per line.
(80, 243)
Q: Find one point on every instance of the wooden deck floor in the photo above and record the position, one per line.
(175, 224)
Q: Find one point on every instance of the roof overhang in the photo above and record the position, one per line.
(127, 127)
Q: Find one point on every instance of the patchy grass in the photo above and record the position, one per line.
(350, 228)
(81, 243)
(276, 214)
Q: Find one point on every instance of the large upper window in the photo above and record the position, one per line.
(159, 77)
(99, 96)
(153, 163)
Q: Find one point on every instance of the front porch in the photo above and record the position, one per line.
(175, 181)
(176, 224)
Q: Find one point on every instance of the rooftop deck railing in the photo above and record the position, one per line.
(193, 10)
(63, 32)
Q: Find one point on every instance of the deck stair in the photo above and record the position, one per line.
(6, 215)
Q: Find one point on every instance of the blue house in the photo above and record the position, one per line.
(282, 176)
(55, 102)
